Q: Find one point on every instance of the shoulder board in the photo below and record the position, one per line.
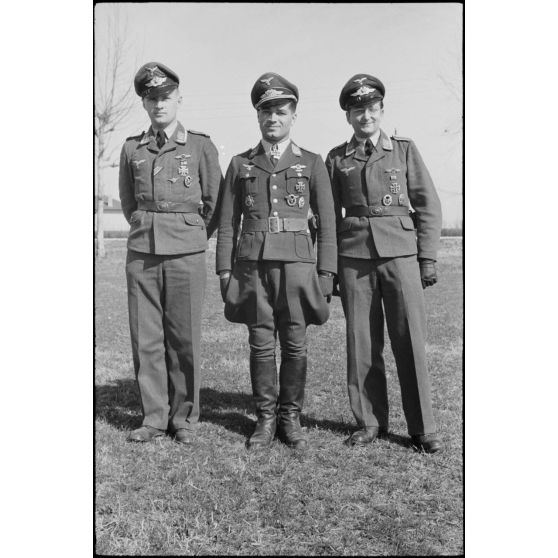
(340, 146)
(198, 133)
(401, 138)
(136, 137)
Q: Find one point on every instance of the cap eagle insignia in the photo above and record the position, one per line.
(267, 81)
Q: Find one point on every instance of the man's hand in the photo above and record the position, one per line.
(326, 284)
(428, 274)
(224, 278)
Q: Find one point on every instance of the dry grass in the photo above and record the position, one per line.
(217, 498)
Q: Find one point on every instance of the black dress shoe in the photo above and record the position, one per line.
(183, 436)
(144, 434)
(428, 443)
(365, 435)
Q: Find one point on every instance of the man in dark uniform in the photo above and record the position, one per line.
(169, 182)
(267, 265)
(383, 259)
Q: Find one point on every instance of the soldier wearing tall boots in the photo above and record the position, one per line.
(267, 262)
(169, 182)
(384, 264)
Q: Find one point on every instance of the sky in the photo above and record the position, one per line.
(220, 49)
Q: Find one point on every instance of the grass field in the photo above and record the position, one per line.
(217, 498)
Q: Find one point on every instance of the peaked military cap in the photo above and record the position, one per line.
(154, 77)
(360, 90)
(270, 87)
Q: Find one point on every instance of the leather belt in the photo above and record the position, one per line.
(376, 211)
(167, 206)
(275, 225)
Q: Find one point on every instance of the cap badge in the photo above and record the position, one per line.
(347, 170)
(363, 90)
(138, 163)
(267, 81)
(387, 200)
(249, 201)
(152, 70)
(360, 80)
(291, 200)
(300, 186)
(156, 81)
(270, 94)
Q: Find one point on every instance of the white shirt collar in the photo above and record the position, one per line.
(373, 138)
(282, 145)
(169, 130)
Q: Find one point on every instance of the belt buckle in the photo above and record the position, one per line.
(377, 210)
(162, 205)
(273, 224)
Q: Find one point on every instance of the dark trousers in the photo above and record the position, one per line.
(368, 288)
(165, 296)
(274, 297)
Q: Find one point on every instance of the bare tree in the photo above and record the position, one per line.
(114, 99)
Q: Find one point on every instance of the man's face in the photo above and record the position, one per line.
(366, 119)
(162, 108)
(276, 120)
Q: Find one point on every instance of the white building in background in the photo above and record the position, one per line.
(113, 218)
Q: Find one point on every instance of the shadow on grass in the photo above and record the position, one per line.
(118, 404)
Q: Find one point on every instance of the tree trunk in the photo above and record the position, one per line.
(100, 249)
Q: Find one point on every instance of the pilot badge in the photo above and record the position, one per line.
(291, 200)
(249, 201)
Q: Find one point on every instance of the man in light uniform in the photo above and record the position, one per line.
(384, 260)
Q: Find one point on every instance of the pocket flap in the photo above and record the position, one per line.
(193, 219)
(407, 223)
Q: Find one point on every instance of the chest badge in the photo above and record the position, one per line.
(183, 168)
(300, 186)
(298, 167)
(187, 181)
(301, 201)
(347, 170)
(157, 170)
(249, 200)
(394, 188)
(138, 163)
(291, 200)
(401, 199)
(173, 179)
(248, 169)
(387, 200)
(392, 170)
(182, 156)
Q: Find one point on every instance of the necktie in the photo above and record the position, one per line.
(160, 139)
(274, 154)
(368, 147)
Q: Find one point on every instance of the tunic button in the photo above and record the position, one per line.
(275, 214)
(274, 200)
(273, 175)
(274, 187)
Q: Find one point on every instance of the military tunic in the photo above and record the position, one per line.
(378, 250)
(168, 196)
(273, 260)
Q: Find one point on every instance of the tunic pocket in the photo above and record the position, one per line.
(245, 245)
(407, 223)
(303, 246)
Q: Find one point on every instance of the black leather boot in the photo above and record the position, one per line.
(263, 374)
(292, 380)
